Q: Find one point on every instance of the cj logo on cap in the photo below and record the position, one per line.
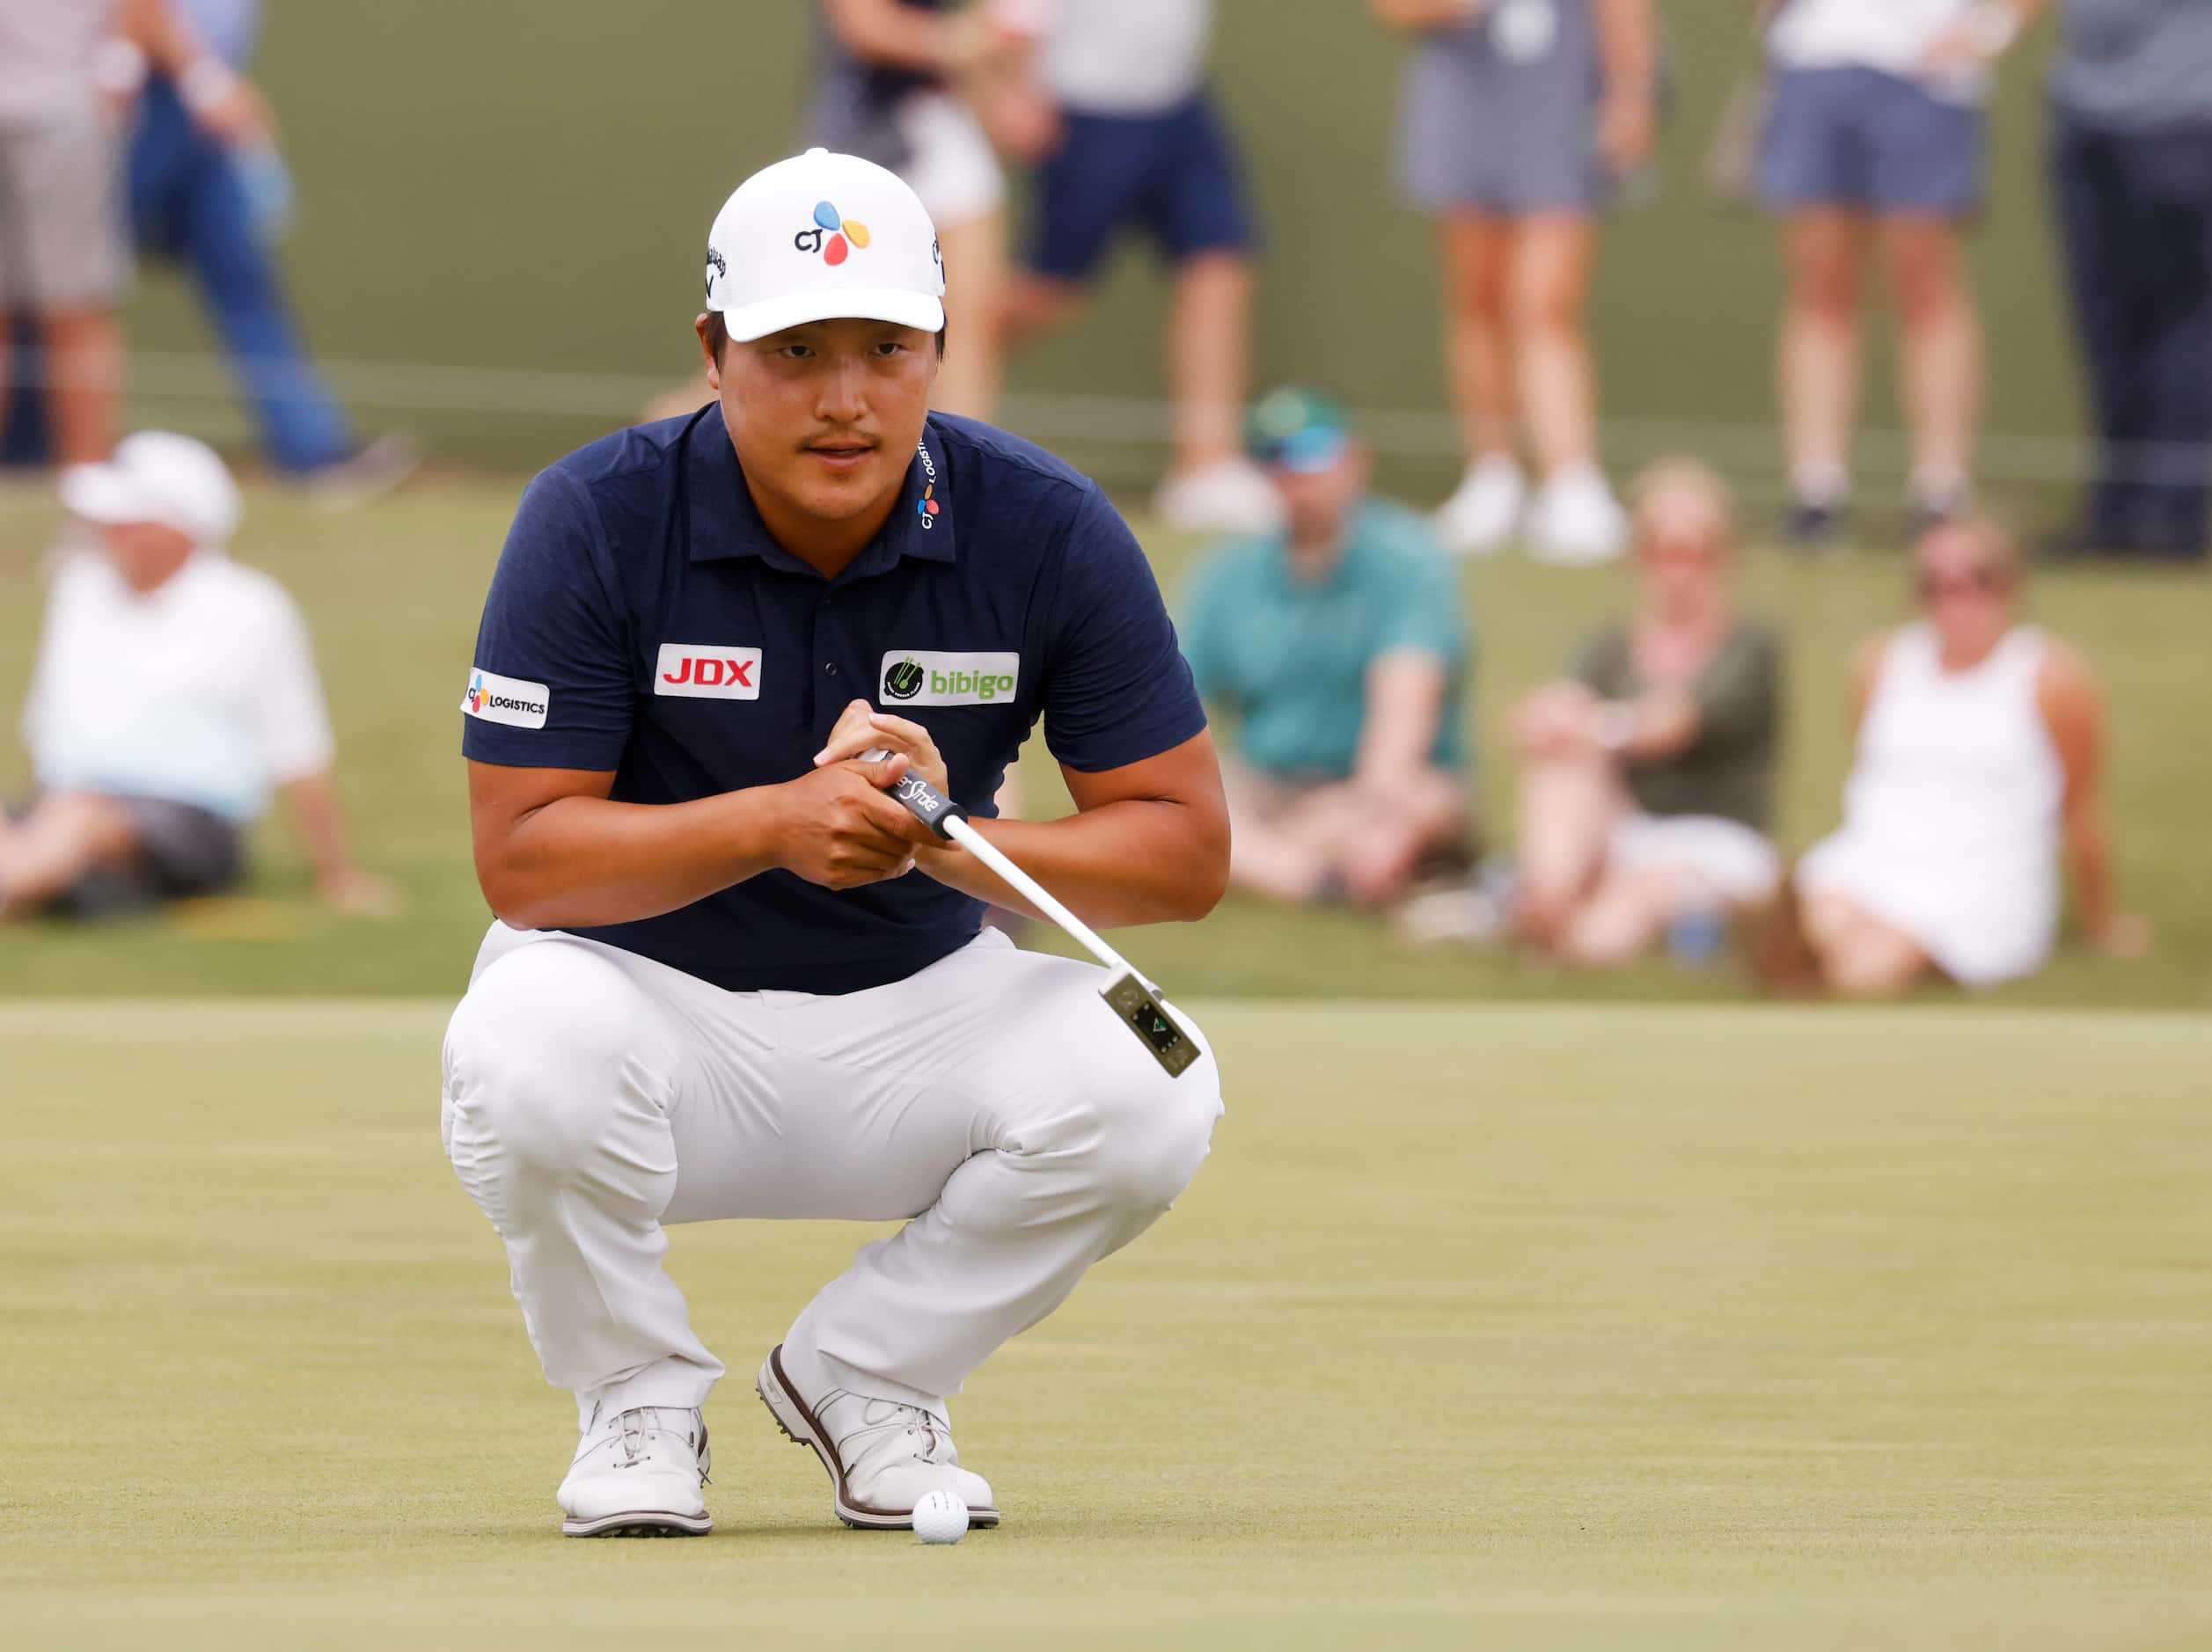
(844, 234)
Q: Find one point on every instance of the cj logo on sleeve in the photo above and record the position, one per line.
(921, 676)
(708, 671)
(506, 699)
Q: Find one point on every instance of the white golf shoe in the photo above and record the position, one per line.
(882, 1455)
(1483, 513)
(637, 1474)
(1575, 521)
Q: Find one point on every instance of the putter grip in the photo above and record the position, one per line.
(926, 804)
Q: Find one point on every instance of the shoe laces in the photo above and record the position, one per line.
(633, 1428)
(881, 1419)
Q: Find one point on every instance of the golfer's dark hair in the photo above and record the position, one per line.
(718, 336)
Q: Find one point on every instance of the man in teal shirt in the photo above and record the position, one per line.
(1337, 650)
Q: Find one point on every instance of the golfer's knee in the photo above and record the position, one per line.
(1149, 1132)
(536, 1054)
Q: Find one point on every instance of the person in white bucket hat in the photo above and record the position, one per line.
(730, 975)
(174, 690)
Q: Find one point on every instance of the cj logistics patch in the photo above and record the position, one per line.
(506, 699)
(921, 676)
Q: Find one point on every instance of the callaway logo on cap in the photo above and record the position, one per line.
(819, 237)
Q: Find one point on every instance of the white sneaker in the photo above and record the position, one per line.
(1225, 496)
(1482, 514)
(882, 1455)
(637, 1474)
(1575, 522)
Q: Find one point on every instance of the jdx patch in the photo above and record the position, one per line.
(708, 671)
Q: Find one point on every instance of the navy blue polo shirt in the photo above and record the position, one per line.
(641, 620)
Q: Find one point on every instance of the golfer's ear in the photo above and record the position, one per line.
(706, 350)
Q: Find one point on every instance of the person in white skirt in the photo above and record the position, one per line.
(1979, 765)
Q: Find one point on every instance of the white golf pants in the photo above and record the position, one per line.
(592, 1096)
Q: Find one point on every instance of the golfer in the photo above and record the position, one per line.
(731, 977)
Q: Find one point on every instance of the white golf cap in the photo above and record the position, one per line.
(821, 236)
(157, 476)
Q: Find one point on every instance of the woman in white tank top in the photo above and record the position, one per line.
(1980, 746)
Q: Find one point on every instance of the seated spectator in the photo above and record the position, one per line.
(1980, 747)
(1648, 771)
(1337, 645)
(173, 689)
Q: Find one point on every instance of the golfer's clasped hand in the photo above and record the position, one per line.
(861, 727)
(842, 830)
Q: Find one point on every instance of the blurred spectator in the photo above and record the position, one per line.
(213, 193)
(1338, 646)
(207, 187)
(1519, 117)
(1130, 135)
(1648, 771)
(1875, 137)
(64, 262)
(173, 689)
(2131, 158)
(1981, 753)
(905, 83)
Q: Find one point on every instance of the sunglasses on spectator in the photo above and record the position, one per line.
(1983, 581)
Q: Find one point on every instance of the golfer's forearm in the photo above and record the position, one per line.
(587, 860)
(1149, 861)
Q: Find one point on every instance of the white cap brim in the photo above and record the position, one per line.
(104, 494)
(748, 322)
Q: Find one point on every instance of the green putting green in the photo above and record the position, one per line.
(1673, 1327)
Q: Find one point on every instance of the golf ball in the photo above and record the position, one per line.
(940, 1517)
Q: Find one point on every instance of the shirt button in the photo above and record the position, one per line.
(830, 668)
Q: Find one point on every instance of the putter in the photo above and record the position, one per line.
(1134, 1000)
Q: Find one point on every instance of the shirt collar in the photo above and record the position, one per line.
(724, 521)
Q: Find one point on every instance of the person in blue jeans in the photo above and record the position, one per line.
(211, 202)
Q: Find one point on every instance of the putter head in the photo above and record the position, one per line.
(1139, 1009)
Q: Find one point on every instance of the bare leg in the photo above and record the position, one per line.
(1820, 356)
(66, 835)
(1035, 304)
(1939, 345)
(1625, 915)
(1860, 955)
(1377, 858)
(1209, 356)
(1477, 254)
(84, 349)
(1550, 284)
(968, 383)
(1568, 807)
(1266, 859)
